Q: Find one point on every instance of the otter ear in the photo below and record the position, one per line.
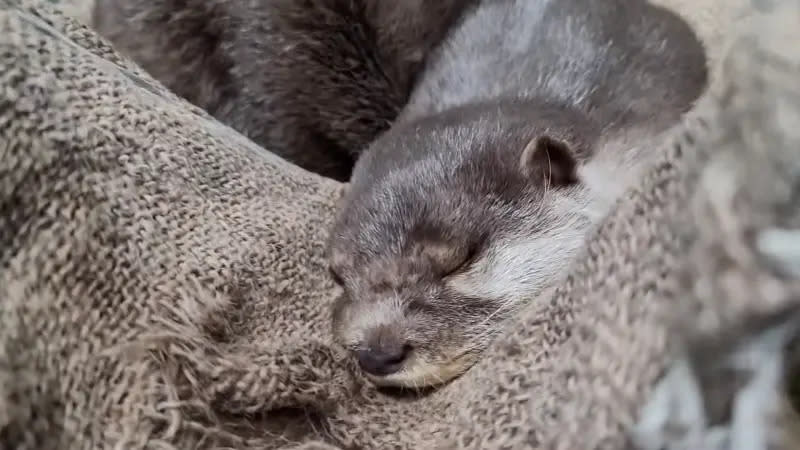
(551, 160)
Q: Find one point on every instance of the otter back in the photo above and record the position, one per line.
(312, 80)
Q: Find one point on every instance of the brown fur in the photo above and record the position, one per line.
(312, 80)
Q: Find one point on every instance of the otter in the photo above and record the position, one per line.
(528, 122)
(314, 81)
(483, 139)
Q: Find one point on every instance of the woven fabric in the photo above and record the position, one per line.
(163, 283)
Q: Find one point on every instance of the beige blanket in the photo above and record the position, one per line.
(162, 280)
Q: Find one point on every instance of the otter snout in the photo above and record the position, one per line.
(385, 351)
(380, 362)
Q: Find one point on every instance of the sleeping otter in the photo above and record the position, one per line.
(491, 136)
(311, 80)
(527, 124)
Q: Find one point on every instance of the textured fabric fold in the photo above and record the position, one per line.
(163, 281)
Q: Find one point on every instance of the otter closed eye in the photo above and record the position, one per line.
(522, 131)
(462, 265)
(417, 305)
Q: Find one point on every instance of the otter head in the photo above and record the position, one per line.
(449, 224)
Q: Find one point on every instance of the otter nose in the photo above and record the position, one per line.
(382, 361)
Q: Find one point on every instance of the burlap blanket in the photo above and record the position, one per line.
(162, 280)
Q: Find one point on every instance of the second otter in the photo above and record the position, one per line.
(527, 124)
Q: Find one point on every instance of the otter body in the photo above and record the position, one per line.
(526, 125)
(490, 137)
(311, 80)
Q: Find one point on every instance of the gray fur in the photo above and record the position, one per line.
(442, 236)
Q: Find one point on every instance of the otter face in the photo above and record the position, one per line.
(438, 249)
